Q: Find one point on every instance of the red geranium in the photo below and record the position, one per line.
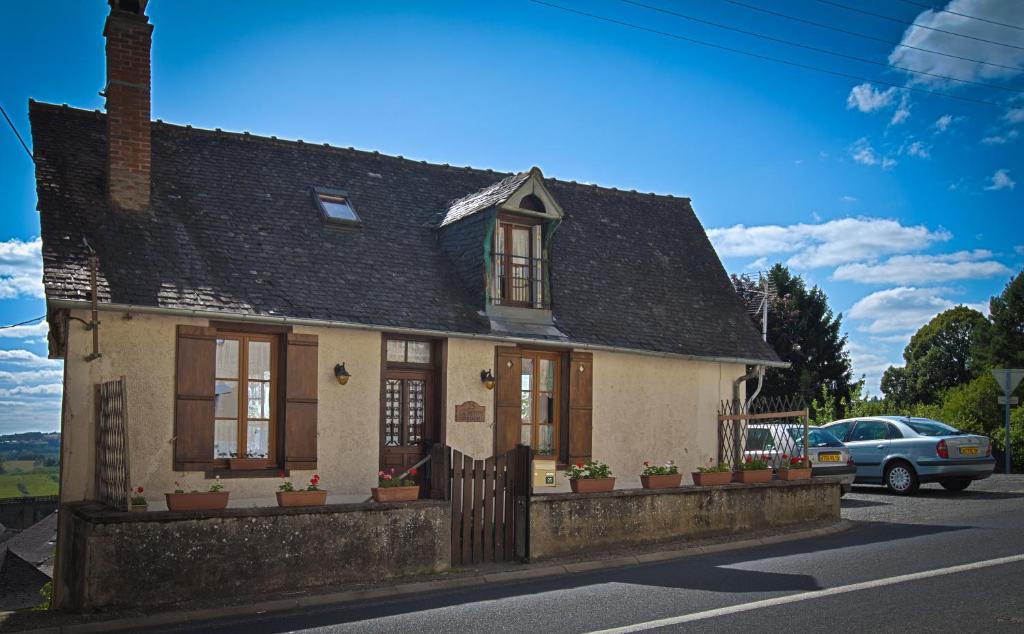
(412, 471)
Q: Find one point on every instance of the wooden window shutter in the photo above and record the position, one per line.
(300, 410)
(196, 364)
(581, 402)
(507, 412)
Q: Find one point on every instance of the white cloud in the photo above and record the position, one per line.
(831, 243)
(1015, 115)
(867, 98)
(918, 149)
(863, 153)
(1000, 138)
(23, 332)
(849, 199)
(46, 389)
(942, 123)
(1019, 249)
(902, 111)
(888, 163)
(26, 357)
(996, 10)
(1001, 180)
(30, 376)
(902, 309)
(924, 269)
(21, 268)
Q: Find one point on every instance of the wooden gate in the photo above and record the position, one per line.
(490, 503)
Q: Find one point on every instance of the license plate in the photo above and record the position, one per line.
(828, 457)
(968, 451)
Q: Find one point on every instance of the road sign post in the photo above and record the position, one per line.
(1008, 379)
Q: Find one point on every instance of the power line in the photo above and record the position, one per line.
(17, 134)
(866, 36)
(24, 323)
(920, 26)
(815, 48)
(769, 58)
(962, 15)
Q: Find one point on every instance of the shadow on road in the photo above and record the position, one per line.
(880, 492)
(849, 503)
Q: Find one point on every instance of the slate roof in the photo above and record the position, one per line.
(490, 196)
(234, 228)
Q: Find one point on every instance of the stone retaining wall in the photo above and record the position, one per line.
(567, 524)
(112, 559)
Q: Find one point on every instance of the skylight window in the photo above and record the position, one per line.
(337, 206)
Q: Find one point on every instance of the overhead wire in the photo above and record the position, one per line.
(17, 134)
(816, 49)
(24, 323)
(962, 15)
(769, 58)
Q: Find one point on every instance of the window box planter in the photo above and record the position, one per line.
(711, 478)
(197, 501)
(247, 464)
(592, 485)
(301, 498)
(661, 481)
(794, 474)
(395, 494)
(751, 476)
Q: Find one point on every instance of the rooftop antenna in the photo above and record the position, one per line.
(759, 300)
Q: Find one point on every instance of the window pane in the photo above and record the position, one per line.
(227, 358)
(416, 411)
(547, 375)
(418, 351)
(259, 399)
(869, 430)
(545, 408)
(545, 438)
(338, 208)
(392, 412)
(527, 373)
(524, 436)
(257, 444)
(526, 407)
(259, 360)
(226, 399)
(396, 351)
(225, 439)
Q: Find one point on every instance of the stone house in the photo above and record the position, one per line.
(338, 311)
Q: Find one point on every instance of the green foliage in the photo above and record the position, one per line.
(1005, 342)
(38, 483)
(47, 593)
(824, 409)
(802, 330)
(590, 471)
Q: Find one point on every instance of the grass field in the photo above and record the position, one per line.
(33, 484)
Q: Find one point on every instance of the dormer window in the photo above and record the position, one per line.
(518, 264)
(532, 202)
(336, 206)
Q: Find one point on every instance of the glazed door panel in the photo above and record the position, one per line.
(407, 419)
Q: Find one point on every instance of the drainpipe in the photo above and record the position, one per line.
(738, 427)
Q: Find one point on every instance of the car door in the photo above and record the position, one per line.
(869, 444)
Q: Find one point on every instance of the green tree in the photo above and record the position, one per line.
(945, 352)
(803, 330)
(1005, 340)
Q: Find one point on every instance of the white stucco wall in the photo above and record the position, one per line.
(466, 358)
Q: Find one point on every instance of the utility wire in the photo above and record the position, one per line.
(769, 58)
(24, 323)
(17, 134)
(962, 15)
(855, 58)
(920, 26)
(865, 36)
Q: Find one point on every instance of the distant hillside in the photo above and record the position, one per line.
(31, 445)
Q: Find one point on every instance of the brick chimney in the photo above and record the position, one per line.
(129, 38)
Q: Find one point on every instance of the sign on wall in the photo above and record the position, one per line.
(470, 412)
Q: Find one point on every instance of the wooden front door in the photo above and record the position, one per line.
(407, 418)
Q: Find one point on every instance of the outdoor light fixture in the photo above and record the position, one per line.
(487, 379)
(341, 374)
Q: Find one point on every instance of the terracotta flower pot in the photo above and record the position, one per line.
(661, 481)
(301, 498)
(197, 501)
(138, 508)
(592, 485)
(247, 464)
(711, 478)
(753, 475)
(794, 474)
(395, 494)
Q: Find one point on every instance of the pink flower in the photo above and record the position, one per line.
(412, 471)
(139, 490)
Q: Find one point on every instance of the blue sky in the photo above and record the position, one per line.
(898, 203)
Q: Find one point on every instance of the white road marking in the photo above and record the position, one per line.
(807, 596)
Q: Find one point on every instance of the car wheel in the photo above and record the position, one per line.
(900, 478)
(957, 484)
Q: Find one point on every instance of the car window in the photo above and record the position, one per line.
(931, 428)
(815, 437)
(870, 430)
(894, 431)
(840, 430)
(759, 439)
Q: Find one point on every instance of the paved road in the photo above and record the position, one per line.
(937, 562)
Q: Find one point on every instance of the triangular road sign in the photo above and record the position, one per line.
(1008, 379)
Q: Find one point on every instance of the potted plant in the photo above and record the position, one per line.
(793, 469)
(395, 489)
(592, 477)
(215, 498)
(754, 470)
(252, 460)
(715, 474)
(137, 502)
(312, 495)
(664, 476)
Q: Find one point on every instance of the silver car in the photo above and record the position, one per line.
(903, 452)
(827, 454)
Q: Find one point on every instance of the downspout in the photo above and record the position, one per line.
(738, 426)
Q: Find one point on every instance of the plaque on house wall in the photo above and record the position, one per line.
(470, 412)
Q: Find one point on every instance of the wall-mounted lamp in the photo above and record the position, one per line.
(487, 379)
(341, 374)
